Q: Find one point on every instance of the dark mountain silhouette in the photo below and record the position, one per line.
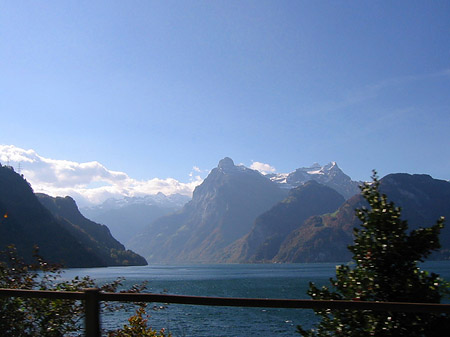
(92, 235)
(25, 222)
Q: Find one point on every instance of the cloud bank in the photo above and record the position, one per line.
(88, 183)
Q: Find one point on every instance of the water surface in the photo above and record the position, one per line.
(226, 280)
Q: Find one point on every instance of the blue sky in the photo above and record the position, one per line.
(155, 88)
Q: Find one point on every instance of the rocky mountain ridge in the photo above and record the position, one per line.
(222, 210)
(313, 224)
(329, 175)
(236, 215)
(324, 238)
(129, 216)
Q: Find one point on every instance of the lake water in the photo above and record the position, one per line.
(226, 280)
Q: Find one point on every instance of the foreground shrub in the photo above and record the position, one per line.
(26, 317)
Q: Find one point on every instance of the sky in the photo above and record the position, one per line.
(150, 95)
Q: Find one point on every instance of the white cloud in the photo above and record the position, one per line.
(194, 175)
(263, 168)
(87, 183)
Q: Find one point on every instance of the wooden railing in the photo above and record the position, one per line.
(92, 298)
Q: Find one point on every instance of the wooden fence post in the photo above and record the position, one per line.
(92, 312)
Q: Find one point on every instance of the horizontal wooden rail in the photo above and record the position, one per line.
(233, 302)
(277, 303)
(93, 297)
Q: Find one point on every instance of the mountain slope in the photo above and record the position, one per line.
(95, 237)
(325, 238)
(25, 223)
(271, 228)
(222, 210)
(77, 242)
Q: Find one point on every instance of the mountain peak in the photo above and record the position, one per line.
(331, 165)
(330, 175)
(226, 163)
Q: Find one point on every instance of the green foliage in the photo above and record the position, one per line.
(34, 317)
(385, 257)
(138, 327)
(26, 317)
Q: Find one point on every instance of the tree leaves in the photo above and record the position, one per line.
(384, 268)
(28, 317)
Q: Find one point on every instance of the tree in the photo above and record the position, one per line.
(384, 268)
(26, 317)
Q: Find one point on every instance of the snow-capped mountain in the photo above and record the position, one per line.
(330, 175)
(159, 199)
(127, 216)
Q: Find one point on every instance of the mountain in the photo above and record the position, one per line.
(95, 237)
(329, 175)
(25, 222)
(271, 228)
(222, 210)
(129, 216)
(160, 199)
(322, 238)
(325, 238)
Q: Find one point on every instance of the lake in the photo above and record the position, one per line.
(226, 280)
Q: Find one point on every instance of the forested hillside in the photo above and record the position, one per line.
(73, 242)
